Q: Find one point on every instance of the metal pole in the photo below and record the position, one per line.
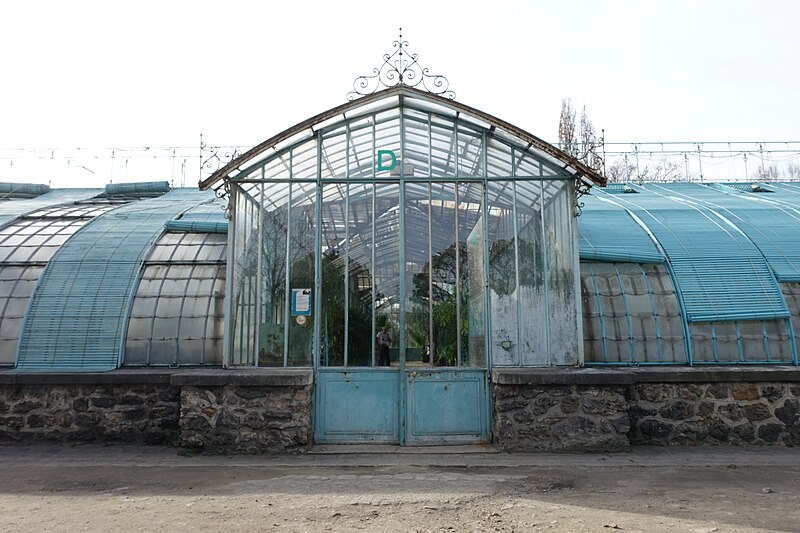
(431, 344)
(458, 281)
(700, 161)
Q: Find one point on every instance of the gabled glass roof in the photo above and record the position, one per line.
(431, 137)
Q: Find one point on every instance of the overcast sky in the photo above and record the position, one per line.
(159, 73)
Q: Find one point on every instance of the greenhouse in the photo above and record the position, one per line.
(401, 269)
(405, 219)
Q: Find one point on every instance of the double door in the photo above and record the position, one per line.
(402, 278)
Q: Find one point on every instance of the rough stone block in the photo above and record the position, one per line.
(690, 392)
(756, 412)
(773, 392)
(12, 422)
(731, 411)
(40, 421)
(745, 433)
(677, 410)
(770, 433)
(745, 391)
(705, 409)
(719, 430)
(718, 391)
(26, 406)
(570, 404)
(102, 402)
(655, 392)
(789, 412)
(655, 428)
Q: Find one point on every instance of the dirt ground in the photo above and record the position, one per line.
(106, 489)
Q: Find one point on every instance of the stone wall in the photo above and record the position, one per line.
(255, 411)
(140, 413)
(561, 418)
(592, 409)
(268, 410)
(715, 413)
(246, 419)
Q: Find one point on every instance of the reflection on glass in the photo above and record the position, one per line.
(417, 250)
(444, 269)
(245, 278)
(560, 252)
(359, 325)
(473, 274)
(502, 273)
(273, 232)
(387, 266)
(302, 260)
(334, 250)
(532, 299)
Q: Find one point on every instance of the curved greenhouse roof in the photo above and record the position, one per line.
(437, 137)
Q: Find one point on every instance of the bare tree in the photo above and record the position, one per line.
(578, 139)
(567, 140)
(792, 171)
(768, 173)
(618, 171)
(663, 170)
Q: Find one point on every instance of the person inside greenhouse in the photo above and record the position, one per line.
(384, 341)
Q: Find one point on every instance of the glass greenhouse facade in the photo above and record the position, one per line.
(402, 211)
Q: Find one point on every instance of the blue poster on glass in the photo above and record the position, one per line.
(301, 302)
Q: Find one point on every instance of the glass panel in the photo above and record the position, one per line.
(445, 269)
(502, 274)
(360, 218)
(361, 149)
(417, 250)
(245, 279)
(334, 152)
(532, 297)
(304, 161)
(470, 153)
(560, 250)
(498, 158)
(387, 267)
(416, 150)
(334, 248)
(302, 257)
(473, 274)
(273, 284)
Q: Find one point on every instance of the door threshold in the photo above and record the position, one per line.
(332, 449)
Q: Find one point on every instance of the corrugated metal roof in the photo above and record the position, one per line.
(77, 315)
(607, 232)
(720, 272)
(11, 209)
(772, 227)
(196, 226)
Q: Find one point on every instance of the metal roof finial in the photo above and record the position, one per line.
(397, 70)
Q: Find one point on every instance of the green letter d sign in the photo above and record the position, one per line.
(381, 157)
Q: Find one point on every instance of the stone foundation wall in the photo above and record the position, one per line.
(246, 419)
(264, 411)
(592, 409)
(205, 409)
(561, 418)
(715, 413)
(146, 414)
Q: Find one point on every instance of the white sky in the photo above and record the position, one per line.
(158, 73)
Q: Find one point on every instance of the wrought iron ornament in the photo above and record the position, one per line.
(401, 68)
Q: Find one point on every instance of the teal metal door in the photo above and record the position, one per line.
(401, 330)
(357, 406)
(446, 406)
(428, 406)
